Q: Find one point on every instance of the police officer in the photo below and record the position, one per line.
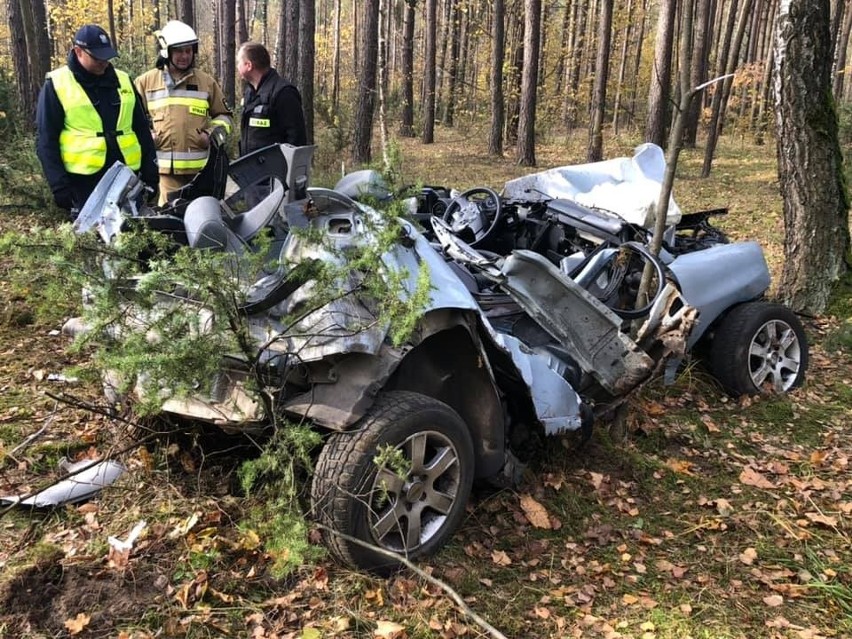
(186, 106)
(272, 106)
(89, 116)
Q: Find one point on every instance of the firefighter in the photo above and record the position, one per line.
(89, 116)
(272, 106)
(186, 107)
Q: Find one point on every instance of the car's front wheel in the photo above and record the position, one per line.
(399, 482)
(759, 347)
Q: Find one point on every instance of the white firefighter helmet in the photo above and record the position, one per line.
(176, 34)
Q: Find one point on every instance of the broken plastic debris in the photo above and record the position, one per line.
(89, 478)
(59, 377)
(127, 544)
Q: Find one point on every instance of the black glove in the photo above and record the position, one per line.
(152, 194)
(218, 136)
(64, 198)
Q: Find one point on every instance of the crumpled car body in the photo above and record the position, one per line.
(509, 348)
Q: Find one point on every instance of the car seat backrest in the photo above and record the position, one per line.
(205, 227)
(250, 223)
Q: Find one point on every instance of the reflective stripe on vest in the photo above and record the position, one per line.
(82, 142)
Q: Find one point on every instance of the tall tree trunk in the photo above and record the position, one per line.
(186, 12)
(444, 43)
(307, 58)
(685, 68)
(111, 19)
(406, 129)
(227, 77)
(364, 111)
(429, 73)
(816, 206)
(661, 74)
(498, 51)
(335, 64)
(529, 83)
(559, 72)
(516, 78)
(452, 72)
(840, 55)
(717, 118)
(21, 60)
(40, 52)
(569, 106)
(290, 64)
(622, 68)
(700, 64)
(595, 150)
(637, 64)
(381, 69)
(242, 21)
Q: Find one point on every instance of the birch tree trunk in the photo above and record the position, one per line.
(816, 208)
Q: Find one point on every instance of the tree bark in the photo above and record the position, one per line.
(595, 150)
(698, 73)
(21, 60)
(335, 63)
(429, 73)
(529, 83)
(720, 99)
(569, 104)
(840, 56)
(365, 107)
(498, 52)
(307, 58)
(622, 67)
(186, 12)
(406, 128)
(661, 74)
(816, 206)
(227, 77)
(292, 42)
(452, 72)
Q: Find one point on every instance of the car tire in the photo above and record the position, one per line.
(411, 510)
(759, 347)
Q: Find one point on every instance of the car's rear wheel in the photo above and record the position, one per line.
(399, 482)
(759, 347)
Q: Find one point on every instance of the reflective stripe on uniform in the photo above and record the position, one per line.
(223, 121)
(161, 94)
(260, 122)
(177, 160)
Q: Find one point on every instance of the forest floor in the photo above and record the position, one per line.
(705, 517)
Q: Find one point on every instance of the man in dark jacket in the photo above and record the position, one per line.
(272, 106)
(89, 116)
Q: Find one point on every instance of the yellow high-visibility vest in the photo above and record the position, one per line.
(82, 142)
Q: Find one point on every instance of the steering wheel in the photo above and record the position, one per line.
(474, 215)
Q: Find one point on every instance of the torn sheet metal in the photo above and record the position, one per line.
(87, 478)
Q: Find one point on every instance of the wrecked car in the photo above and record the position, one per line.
(532, 325)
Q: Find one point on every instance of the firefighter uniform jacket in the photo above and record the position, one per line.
(180, 112)
(272, 114)
(71, 176)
